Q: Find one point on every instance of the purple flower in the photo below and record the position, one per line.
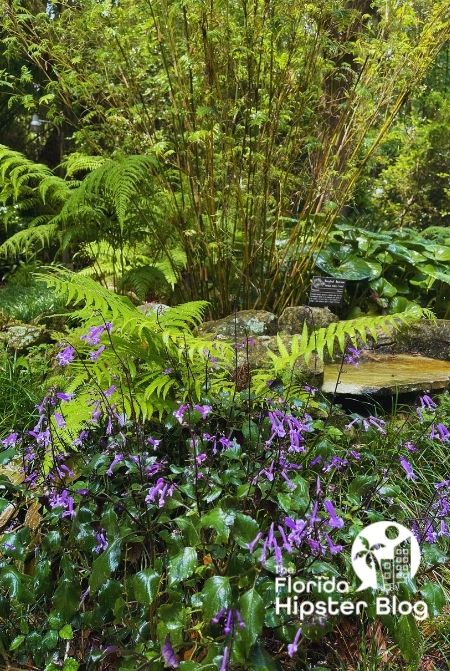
(10, 440)
(8, 545)
(62, 396)
(204, 410)
(62, 500)
(180, 412)
(334, 549)
(352, 356)
(59, 419)
(117, 459)
(335, 462)
(200, 458)
(427, 403)
(102, 543)
(334, 522)
(94, 355)
(95, 333)
(404, 463)
(376, 423)
(440, 432)
(168, 654)
(251, 546)
(153, 442)
(293, 647)
(225, 658)
(110, 391)
(162, 490)
(66, 356)
(42, 437)
(410, 446)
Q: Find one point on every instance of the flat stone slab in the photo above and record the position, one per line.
(386, 374)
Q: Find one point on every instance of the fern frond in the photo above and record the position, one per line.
(29, 240)
(77, 162)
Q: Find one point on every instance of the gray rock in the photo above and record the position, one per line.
(428, 338)
(241, 324)
(292, 319)
(23, 336)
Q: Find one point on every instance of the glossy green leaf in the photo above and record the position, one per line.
(146, 584)
(245, 529)
(66, 633)
(71, 664)
(384, 288)
(17, 642)
(105, 564)
(252, 610)
(182, 566)
(406, 254)
(66, 599)
(434, 597)
(261, 659)
(219, 520)
(216, 594)
(12, 580)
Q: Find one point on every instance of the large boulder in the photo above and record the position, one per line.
(293, 319)
(23, 336)
(241, 324)
(428, 338)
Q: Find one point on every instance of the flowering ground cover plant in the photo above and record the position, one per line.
(151, 545)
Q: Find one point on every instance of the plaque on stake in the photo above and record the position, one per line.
(326, 291)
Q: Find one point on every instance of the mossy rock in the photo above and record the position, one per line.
(292, 319)
(241, 324)
(21, 337)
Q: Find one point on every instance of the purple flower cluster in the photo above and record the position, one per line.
(369, 423)
(62, 500)
(169, 656)
(230, 616)
(286, 425)
(161, 491)
(296, 533)
(65, 356)
(180, 412)
(440, 432)
(102, 543)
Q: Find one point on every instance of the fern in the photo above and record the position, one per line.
(141, 349)
(119, 205)
(327, 340)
